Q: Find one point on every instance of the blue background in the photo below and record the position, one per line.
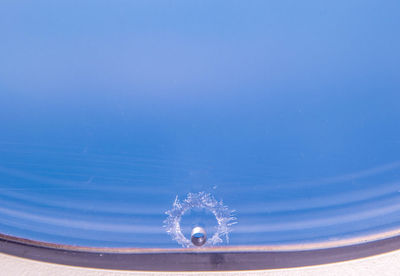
(288, 111)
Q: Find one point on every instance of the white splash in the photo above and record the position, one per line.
(200, 200)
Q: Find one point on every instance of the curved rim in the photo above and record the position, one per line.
(202, 259)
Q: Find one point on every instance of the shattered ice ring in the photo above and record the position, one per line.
(201, 200)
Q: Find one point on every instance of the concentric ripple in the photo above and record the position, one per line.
(94, 208)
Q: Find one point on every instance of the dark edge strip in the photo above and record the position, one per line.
(198, 261)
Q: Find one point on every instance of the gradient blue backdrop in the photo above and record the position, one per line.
(288, 111)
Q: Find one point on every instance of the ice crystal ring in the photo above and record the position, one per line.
(205, 201)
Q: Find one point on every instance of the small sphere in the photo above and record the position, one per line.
(198, 236)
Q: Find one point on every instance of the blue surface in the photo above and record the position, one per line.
(288, 111)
